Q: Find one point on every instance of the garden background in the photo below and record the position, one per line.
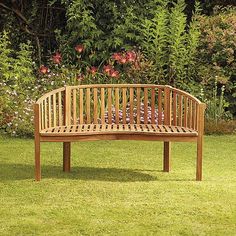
(47, 44)
(117, 187)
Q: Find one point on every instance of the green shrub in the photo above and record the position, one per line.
(217, 54)
(171, 46)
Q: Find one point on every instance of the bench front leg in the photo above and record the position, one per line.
(166, 157)
(37, 142)
(37, 160)
(66, 156)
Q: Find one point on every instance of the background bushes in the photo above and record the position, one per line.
(47, 44)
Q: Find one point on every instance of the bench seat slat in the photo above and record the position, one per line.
(90, 129)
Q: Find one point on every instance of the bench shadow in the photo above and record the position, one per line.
(11, 172)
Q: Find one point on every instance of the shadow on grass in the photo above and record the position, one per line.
(9, 172)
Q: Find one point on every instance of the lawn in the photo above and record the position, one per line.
(118, 188)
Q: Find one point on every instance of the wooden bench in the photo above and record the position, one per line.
(118, 112)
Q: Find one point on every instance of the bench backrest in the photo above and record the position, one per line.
(119, 104)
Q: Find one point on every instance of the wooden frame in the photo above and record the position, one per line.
(118, 112)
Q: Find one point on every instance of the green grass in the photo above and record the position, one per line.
(118, 188)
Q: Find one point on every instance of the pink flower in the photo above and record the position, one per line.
(93, 70)
(79, 48)
(114, 73)
(123, 60)
(43, 69)
(130, 56)
(56, 58)
(107, 69)
(117, 56)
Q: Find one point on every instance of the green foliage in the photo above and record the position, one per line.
(171, 46)
(216, 106)
(17, 91)
(217, 53)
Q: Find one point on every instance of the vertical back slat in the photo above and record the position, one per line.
(159, 106)
(167, 107)
(67, 111)
(54, 111)
(117, 104)
(185, 110)
(49, 112)
(95, 105)
(124, 103)
(88, 105)
(153, 106)
(46, 113)
(74, 107)
(145, 105)
(190, 113)
(43, 115)
(194, 114)
(131, 101)
(109, 105)
(81, 106)
(60, 109)
(180, 110)
(102, 106)
(174, 108)
(138, 104)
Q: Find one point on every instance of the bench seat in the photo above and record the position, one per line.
(147, 129)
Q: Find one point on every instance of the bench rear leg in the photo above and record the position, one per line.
(66, 156)
(199, 159)
(37, 160)
(166, 156)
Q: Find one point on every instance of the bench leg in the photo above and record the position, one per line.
(166, 157)
(66, 156)
(37, 160)
(199, 159)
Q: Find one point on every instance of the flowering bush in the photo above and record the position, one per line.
(121, 67)
(17, 89)
(217, 54)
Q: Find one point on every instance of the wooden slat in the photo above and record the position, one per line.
(49, 112)
(43, 115)
(174, 108)
(95, 105)
(196, 117)
(153, 106)
(162, 128)
(54, 111)
(117, 105)
(60, 109)
(67, 106)
(46, 112)
(138, 105)
(194, 114)
(190, 114)
(145, 105)
(159, 106)
(109, 105)
(74, 107)
(124, 104)
(81, 106)
(185, 110)
(102, 106)
(88, 105)
(167, 107)
(180, 110)
(131, 101)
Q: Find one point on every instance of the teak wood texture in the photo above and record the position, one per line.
(118, 112)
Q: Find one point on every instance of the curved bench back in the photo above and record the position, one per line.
(119, 104)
